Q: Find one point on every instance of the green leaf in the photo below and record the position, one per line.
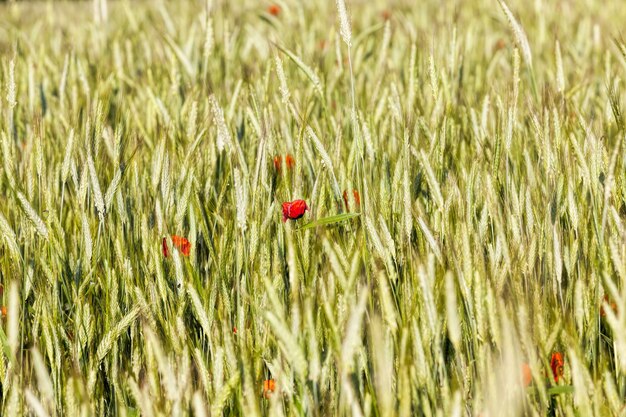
(561, 389)
(325, 221)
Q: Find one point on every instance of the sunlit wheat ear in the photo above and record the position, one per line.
(560, 78)
(32, 215)
(11, 89)
(282, 80)
(344, 23)
(430, 239)
(65, 168)
(165, 183)
(432, 180)
(374, 238)
(95, 184)
(209, 41)
(384, 46)
(223, 134)
(432, 73)
(518, 33)
(113, 186)
(7, 159)
(367, 139)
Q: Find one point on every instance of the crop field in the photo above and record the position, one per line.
(313, 208)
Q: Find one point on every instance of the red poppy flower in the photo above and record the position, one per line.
(3, 309)
(273, 9)
(556, 363)
(180, 243)
(269, 385)
(294, 209)
(234, 330)
(289, 161)
(357, 198)
(527, 377)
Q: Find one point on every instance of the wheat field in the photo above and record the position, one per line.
(462, 165)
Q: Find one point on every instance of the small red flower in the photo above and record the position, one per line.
(234, 330)
(269, 385)
(180, 243)
(385, 14)
(3, 310)
(294, 209)
(556, 363)
(274, 9)
(357, 198)
(527, 377)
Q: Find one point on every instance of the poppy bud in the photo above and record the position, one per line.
(273, 9)
(269, 385)
(556, 363)
(294, 210)
(289, 161)
(277, 163)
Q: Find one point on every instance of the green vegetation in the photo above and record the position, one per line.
(485, 140)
